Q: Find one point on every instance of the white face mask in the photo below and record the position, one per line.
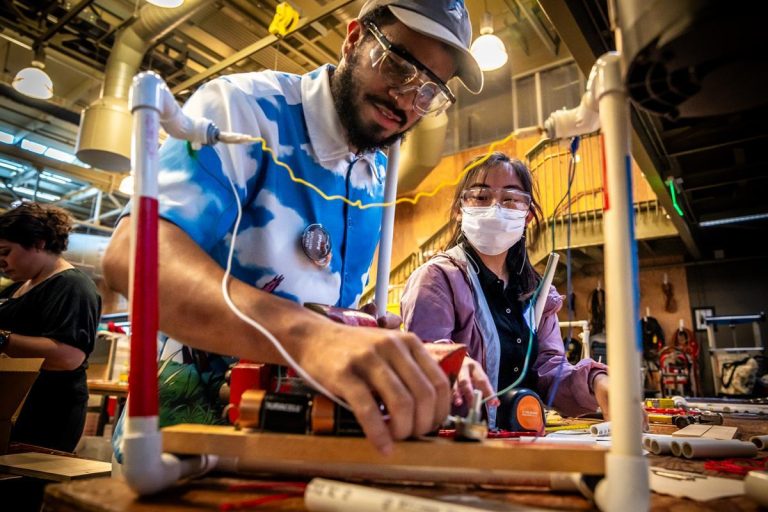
(492, 230)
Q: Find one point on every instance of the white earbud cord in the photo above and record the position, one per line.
(253, 323)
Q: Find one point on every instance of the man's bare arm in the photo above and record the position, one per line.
(354, 363)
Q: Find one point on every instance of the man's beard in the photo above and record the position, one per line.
(364, 137)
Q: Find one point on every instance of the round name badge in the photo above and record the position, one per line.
(316, 242)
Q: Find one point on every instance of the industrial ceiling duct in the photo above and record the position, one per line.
(421, 151)
(104, 138)
(694, 58)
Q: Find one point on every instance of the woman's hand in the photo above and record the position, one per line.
(388, 321)
(600, 388)
(471, 377)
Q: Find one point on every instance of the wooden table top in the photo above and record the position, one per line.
(211, 492)
(105, 387)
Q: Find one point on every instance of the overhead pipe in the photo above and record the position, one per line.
(110, 113)
(48, 107)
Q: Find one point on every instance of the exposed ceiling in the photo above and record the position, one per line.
(221, 36)
(715, 159)
(715, 163)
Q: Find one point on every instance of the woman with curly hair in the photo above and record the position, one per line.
(51, 311)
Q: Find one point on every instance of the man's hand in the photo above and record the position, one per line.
(360, 364)
(471, 377)
(356, 363)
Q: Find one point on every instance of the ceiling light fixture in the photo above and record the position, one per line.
(126, 185)
(488, 49)
(33, 81)
(170, 4)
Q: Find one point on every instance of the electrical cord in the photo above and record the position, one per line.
(569, 285)
(256, 325)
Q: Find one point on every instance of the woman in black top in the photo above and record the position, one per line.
(51, 311)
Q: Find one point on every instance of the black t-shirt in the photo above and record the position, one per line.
(514, 334)
(66, 307)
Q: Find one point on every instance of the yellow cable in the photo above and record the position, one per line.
(359, 204)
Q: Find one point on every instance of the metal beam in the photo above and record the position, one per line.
(537, 27)
(106, 181)
(260, 45)
(64, 20)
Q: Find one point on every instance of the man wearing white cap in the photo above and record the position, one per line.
(292, 245)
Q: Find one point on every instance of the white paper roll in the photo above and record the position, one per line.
(601, 429)
(661, 446)
(760, 441)
(332, 496)
(699, 448)
(676, 447)
(648, 437)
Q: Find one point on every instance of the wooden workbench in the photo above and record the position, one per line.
(209, 493)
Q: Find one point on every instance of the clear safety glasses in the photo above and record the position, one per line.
(402, 71)
(510, 199)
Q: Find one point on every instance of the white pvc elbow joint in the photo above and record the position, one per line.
(148, 470)
(604, 77)
(150, 91)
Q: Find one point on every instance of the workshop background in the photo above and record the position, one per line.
(699, 184)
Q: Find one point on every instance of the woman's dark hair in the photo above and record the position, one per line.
(529, 278)
(31, 223)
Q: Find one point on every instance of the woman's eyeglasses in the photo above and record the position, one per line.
(403, 72)
(510, 199)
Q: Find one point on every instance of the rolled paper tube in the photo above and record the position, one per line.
(647, 438)
(760, 441)
(601, 429)
(699, 448)
(661, 446)
(676, 447)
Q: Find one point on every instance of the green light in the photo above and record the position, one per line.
(673, 193)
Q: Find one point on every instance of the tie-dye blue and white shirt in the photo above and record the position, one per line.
(297, 118)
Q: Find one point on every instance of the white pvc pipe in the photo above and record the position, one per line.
(660, 446)
(549, 274)
(577, 121)
(647, 438)
(387, 232)
(676, 447)
(601, 429)
(626, 483)
(146, 468)
(703, 448)
(760, 441)
(324, 495)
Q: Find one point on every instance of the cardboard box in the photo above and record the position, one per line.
(16, 378)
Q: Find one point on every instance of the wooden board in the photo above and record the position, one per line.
(498, 461)
(53, 467)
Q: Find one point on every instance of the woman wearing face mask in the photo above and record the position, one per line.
(480, 291)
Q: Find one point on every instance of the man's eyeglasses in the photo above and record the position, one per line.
(403, 72)
(508, 198)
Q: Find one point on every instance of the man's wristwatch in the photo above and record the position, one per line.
(5, 337)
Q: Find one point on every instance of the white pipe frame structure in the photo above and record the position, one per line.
(605, 104)
(146, 468)
(381, 293)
